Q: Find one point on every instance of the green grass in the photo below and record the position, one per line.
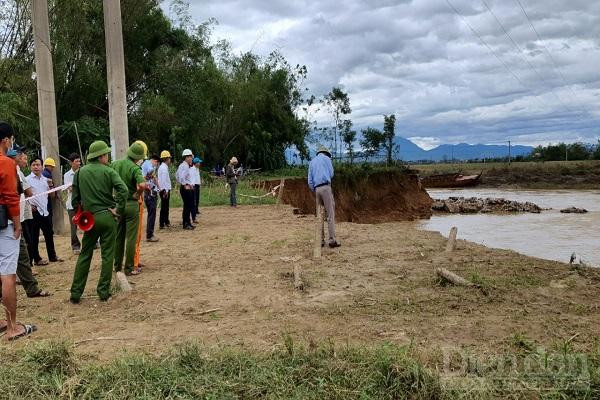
(52, 370)
(214, 193)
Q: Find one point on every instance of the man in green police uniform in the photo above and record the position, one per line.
(131, 173)
(93, 187)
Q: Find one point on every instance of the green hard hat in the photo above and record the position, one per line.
(136, 151)
(97, 149)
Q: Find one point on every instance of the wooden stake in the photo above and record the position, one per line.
(318, 232)
(280, 194)
(452, 277)
(451, 245)
(298, 277)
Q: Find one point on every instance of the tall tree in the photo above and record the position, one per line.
(339, 105)
(348, 136)
(389, 131)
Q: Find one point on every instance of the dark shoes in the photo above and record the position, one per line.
(189, 227)
(334, 245)
(74, 301)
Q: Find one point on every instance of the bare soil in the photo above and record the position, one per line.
(378, 287)
(383, 197)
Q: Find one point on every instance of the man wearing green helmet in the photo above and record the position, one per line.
(93, 188)
(127, 232)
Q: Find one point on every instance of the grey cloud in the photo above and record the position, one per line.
(419, 59)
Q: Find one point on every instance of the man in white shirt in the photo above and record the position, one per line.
(186, 189)
(197, 181)
(41, 216)
(75, 161)
(164, 188)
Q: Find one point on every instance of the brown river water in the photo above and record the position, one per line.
(549, 235)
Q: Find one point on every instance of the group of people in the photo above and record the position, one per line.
(115, 194)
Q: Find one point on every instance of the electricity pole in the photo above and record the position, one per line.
(47, 102)
(509, 152)
(115, 72)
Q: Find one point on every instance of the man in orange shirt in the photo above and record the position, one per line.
(10, 236)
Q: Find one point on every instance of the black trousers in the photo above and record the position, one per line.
(165, 199)
(45, 224)
(196, 208)
(150, 201)
(188, 205)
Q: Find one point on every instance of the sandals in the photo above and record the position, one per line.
(41, 263)
(41, 293)
(28, 330)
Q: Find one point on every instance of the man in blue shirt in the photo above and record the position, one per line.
(149, 172)
(320, 174)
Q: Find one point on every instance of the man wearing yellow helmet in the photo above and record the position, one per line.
(164, 188)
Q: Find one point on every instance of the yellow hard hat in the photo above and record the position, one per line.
(144, 146)
(49, 162)
(165, 154)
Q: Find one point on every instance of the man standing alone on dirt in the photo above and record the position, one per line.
(320, 174)
(127, 232)
(93, 187)
(75, 161)
(232, 180)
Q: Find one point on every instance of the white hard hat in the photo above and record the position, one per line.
(187, 152)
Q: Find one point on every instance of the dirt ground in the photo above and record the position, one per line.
(379, 286)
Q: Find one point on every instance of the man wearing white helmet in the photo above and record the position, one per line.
(186, 188)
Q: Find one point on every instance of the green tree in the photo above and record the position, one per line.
(348, 136)
(371, 142)
(339, 105)
(389, 131)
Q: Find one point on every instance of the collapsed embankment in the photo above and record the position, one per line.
(371, 198)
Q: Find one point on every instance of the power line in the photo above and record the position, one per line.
(521, 51)
(489, 47)
(555, 65)
(484, 42)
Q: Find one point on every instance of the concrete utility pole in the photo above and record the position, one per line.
(47, 102)
(115, 71)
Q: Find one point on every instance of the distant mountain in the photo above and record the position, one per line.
(406, 150)
(464, 151)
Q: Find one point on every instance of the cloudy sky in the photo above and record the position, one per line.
(474, 71)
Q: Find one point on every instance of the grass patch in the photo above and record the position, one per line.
(49, 370)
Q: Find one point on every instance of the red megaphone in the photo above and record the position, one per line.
(84, 220)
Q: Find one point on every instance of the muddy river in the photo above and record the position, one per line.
(550, 235)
